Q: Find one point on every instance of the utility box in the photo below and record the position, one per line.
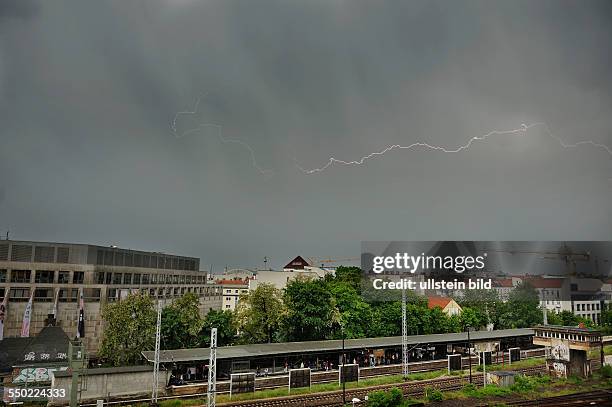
(501, 378)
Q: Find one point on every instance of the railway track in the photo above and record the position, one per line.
(334, 398)
(591, 398)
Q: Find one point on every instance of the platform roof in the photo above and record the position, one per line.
(292, 348)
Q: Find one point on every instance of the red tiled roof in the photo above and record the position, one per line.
(441, 302)
(539, 282)
(237, 282)
(506, 282)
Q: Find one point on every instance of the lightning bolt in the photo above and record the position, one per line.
(219, 130)
(520, 132)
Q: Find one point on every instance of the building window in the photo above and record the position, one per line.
(21, 253)
(182, 279)
(43, 276)
(68, 294)
(136, 279)
(19, 294)
(153, 278)
(117, 278)
(20, 276)
(63, 277)
(43, 294)
(145, 279)
(78, 277)
(3, 276)
(112, 295)
(91, 294)
(99, 277)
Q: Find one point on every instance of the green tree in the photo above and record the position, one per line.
(350, 275)
(226, 326)
(524, 307)
(130, 329)
(438, 321)
(486, 303)
(259, 314)
(355, 313)
(310, 310)
(473, 317)
(181, 323)
(606, 319)
(567, 318)
(386, 319)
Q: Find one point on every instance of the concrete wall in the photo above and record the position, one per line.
(105, 383)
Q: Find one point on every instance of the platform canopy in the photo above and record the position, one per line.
(316, 347)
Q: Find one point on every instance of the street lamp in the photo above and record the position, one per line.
(469, 351)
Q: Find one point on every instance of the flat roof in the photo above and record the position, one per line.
(287, 348)
(107, 370)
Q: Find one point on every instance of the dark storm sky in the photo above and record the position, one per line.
(88, 91)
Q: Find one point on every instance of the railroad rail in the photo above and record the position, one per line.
(334, 398)
(590, 398)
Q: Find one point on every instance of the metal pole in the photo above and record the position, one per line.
(212, 370)
(469, 353)
(601, 349)
(484, 369)
(343, 370)
(157, 349)
(404, 336)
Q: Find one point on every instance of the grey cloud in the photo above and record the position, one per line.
(88, 92)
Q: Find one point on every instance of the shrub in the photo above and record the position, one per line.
(435, 395)
(606, 371)
(392, 398)
(469, 389)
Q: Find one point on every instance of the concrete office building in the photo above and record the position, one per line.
(105, 274)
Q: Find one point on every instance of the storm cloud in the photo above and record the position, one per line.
(89, 90)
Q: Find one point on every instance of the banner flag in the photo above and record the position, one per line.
(27, 317)
(3, 311)
(81, 325)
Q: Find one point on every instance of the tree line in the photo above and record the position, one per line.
(311, 309)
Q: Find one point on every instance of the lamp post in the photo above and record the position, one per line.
(469, 351)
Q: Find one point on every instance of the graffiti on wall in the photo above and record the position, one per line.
(35, 374)
(559, 369)
(559, 350)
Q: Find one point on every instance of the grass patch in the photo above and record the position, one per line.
(521, 364)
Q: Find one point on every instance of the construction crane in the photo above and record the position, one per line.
(564, 253)
(323, 262)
